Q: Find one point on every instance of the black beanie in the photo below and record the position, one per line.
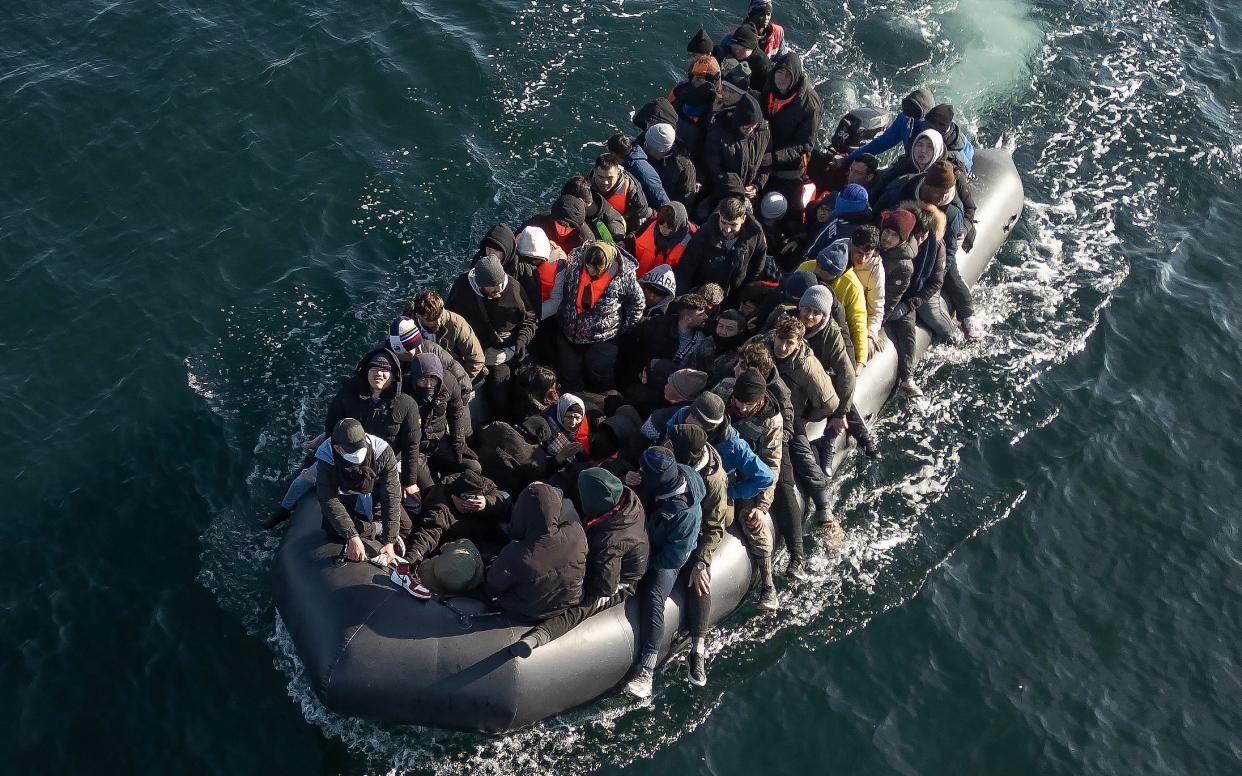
(941, 115)
(569, 209)
(746, 36)
(747, 111)
(700, 43)
(749, 387)
(688, 441)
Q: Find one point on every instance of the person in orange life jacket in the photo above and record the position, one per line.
(359, 490)
(736, 145)
(603, 220)
(743, 45)
(793, 111)
(693, 100)
(663, 239)
(563, 431)
(771, 34)
(564, 224)
(676, 170)
(601, 301)
(634, 159)
(675, 336)
(729, 250)
(540, 269)
(448, 330)
(502, 317)
(610, 180)
(659, 287)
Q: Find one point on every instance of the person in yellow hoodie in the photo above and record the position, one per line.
(832, 267)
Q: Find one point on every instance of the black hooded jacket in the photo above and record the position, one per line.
(500, 237)
(444, 415)
(794, 123)
(508, 321)
(727, 150)
(393, 417)
(540, 572)
(440, 521)
(617, 548)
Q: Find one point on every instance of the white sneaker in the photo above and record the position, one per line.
(640, 685)
(972, 329)
(402, 578)
(911, 388)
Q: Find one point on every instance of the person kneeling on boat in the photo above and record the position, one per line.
(672, 494)
(617, 550)
(466, 505)
(359, 491)
(539, 572)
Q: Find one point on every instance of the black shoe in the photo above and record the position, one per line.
(696, 666)
(277, 517)
(768, 601)
(793, 571)
(529, 643)
(871, 448)
(823, 514)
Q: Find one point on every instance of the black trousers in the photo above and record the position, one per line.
(955, 291)
(807, 472)
(902, 332)
(591, 366)
(786, 514)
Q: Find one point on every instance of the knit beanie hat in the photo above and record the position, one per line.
(900, 221)
(659, 471)
(795, 284)
(773, 205)
(709, 408)
(701, 43)
(818, 298)
(705, 66)
(688, 383)
(661, 280)
(689, 443)
(533, 242)
(749, 386)
(468, 483)
(746, 36)
(380, 359)
(917, 103)
(757, 4)
(404, 335)
(852, 199)
(660, 138)
(735, 75)
(835, 258)
(941, 175)
(569, 209)
(747, 111)
(941, 115)
(488, 272)
(599, 489)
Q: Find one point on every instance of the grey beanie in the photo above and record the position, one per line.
(488, 272)
(818, 298)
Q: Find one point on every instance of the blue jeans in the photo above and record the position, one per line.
(302, 484)
(656, 587)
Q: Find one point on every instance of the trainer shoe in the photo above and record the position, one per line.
(911, 388)
(768, 601)
(529, 643)
(404, 578)
(793, 571)
(640, 685)
(696, 667)
(972, 329)
(871, 448)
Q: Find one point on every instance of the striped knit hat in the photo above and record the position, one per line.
(404, 335)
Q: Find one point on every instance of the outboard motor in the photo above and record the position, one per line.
(856, 128)
(853, 130)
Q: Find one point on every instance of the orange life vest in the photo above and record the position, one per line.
(583, 435)
(774, 40)
(775, 105)
(649, 256)
(547, 278)
(598, 286)
(617, 197)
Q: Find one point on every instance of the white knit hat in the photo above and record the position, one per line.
(660, 138)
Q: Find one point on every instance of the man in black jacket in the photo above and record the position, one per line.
(728, 250)
(617, 550)
(359, 491)
(793, 111)
(466, 505)
(444, 420)
(735, 145)
(743, 45)
(503, 319)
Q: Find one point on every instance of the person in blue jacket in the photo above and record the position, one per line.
(748, 474)
(634, 161)
(672, 494)
(905, 126)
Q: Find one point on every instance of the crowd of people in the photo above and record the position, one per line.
(667, 354)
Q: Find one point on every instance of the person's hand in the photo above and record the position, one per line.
(475, 503)
(837, 425)
(701, 581)
(388, 552)
(633, 479)
(880, 341)
(602, 601)
(312, 443)
(858, 368)
(899, 311)
(355, 550)
(410, 490)
(752, 191)
(754, 519)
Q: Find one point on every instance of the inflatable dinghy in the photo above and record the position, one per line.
(371, 650)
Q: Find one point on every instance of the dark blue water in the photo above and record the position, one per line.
(207, 209)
